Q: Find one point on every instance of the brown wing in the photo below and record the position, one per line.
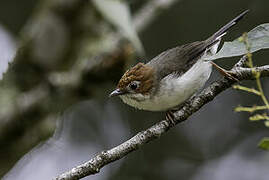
(178, 59)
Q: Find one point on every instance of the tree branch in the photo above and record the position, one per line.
(55, 66)
(94, 165)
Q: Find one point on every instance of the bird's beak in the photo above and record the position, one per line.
(117, 92)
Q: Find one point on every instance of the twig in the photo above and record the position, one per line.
(94, 165)
(242, 62)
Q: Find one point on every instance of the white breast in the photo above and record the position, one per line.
(173, 90)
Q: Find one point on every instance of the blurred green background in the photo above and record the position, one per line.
(215, 143)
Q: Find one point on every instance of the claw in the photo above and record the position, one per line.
(170, 117)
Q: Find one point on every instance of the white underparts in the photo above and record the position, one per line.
(174, 89)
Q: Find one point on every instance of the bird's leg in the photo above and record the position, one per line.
(224, 72)
(169, 116)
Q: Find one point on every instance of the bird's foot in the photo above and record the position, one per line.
(169, 116)
(224, 72)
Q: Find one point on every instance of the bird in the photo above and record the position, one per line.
(169, 79)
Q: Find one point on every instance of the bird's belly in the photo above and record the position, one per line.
(175, 90)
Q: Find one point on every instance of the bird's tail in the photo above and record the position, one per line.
(217, 36)
(225, 28)
(213, 41)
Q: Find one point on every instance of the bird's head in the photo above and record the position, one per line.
(138, 80)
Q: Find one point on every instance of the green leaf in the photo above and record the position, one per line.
(264, 143)
(117, 12)
(257, 37)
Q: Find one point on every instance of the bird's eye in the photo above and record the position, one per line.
(133, 85)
